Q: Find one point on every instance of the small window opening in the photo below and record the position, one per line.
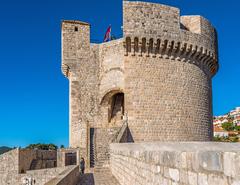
(76, 28)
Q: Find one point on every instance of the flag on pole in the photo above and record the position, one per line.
(107, 36)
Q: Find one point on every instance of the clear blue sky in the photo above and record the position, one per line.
(34, 93)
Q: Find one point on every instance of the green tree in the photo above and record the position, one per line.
(41, 146)
(237, 128)
(62, 146)
(234, 139)
(113, 37)
(228, 126)
(216, 138)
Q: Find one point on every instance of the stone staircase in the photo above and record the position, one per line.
(103, 138)
(36, 164)
(100, 139)
(92, 148)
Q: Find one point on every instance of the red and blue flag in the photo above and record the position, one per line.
(107, 36)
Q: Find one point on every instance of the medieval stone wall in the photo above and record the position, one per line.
(62, 158)
(69, 176)
(167, 71)
(167, 100)
(163, 65)
(93, 71)
(42, 159)
(15, 166)
(111, 66)
(9, 166)
(176, 163)
(111, 78)
(79, 64)
(40, 177)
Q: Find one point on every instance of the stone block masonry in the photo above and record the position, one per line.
(173, 163)
(19, 165)
(70, 176)
(158, 76)
(168, 66)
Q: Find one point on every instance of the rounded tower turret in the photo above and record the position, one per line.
(168, 66)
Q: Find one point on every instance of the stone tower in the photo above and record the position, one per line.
(156, 80)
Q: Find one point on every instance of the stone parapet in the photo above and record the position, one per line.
(188, 163)
(157, 30)
(19, 165)
(42, 176)
(70, 176)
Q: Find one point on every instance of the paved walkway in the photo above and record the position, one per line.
(101, 176)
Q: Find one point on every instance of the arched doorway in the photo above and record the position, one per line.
(116, 108)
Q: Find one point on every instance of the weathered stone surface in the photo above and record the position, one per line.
(128, 168)
(174, 174)
(217, 180)
(158, 78)
(229, 164)
(70, 176)
(192, 178)
(19, 165)
(202, 179)
(163, 68)
(211, 161)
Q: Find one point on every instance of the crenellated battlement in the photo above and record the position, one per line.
(159, 75)
(155, 30)
(170, 49)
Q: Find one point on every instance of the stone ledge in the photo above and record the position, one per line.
(198, 163)
(70, 176)
(177, 146)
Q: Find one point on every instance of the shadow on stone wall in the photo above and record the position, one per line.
(87, 179)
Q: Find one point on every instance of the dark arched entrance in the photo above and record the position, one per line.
(116, 107)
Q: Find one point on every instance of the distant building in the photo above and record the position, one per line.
(232, 116)
(220, 132)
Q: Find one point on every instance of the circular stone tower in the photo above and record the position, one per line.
(168, 66)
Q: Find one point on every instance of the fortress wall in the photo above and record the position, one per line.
(9, 166)
(75, 40)
(13, 162)
(200, 32)
(165, 23)
(163, 65)
(69, 176)
(111, 56)
(25, 159)
(168, 74)
(141, 18)
(176, 163)
(167, 100)
(111, 77)
(75, 48)
(191, 23)
(45, 158)
(80, 65)
(42, 176)
(76, 126)
(198, 24)
(83, 101)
